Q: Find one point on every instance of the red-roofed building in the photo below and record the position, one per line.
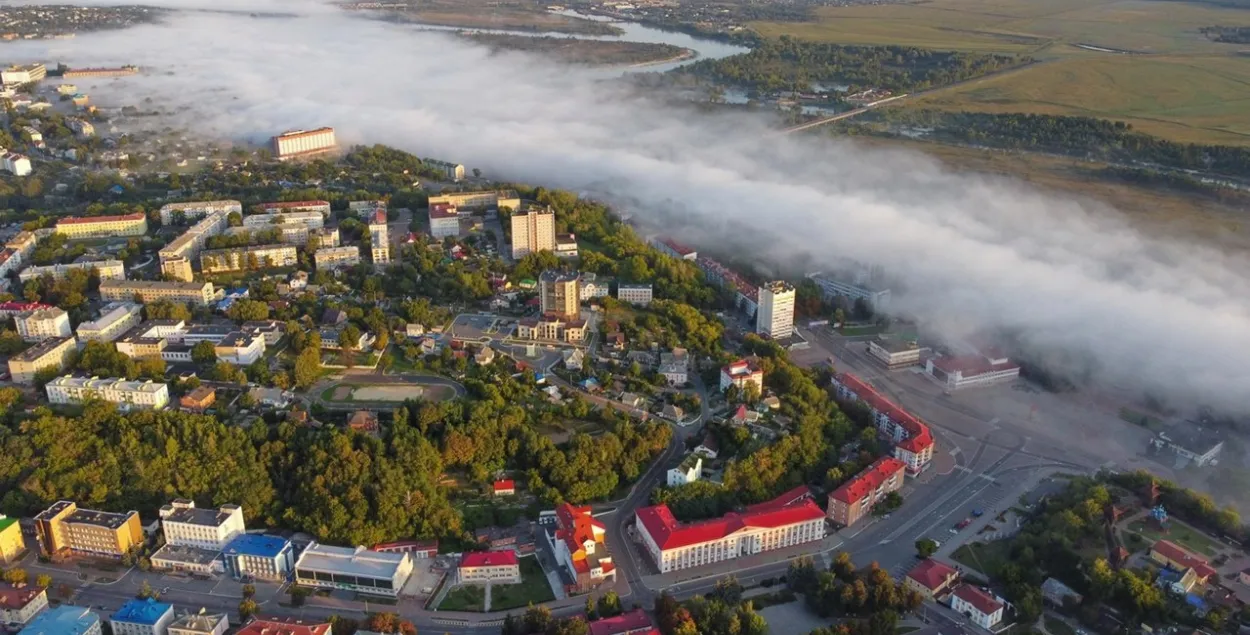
(284, 626)
(581, 548)
(931, 578)
(498, 567)
(787, 520)
(1170, 554)
(10, 309)
(912, 439)
(675, 249)
(103, 226)
(416, 548)
(635, 622)
(856, 497)
(742, 373)
(17, 606)
(966, 371)
(982, 608)
(505, 487)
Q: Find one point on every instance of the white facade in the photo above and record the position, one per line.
(176, 256)
(197, 209)
(15, 164)
(379, 238)
(272, 220)
(113, 321)
(688, 472)
(453, 171)
(158, 627)
(444, 225)
(988, 615)
(639, 294)
(744, 541)
(42, 324)
(774, 316)
(357, 569)
(296, 143)
(590, 286)
(741, 374)
(105, 269)
(336, 257)
(533, 230)
(128, 394)
(240, 349)
(955, 378)
(18, 75)
(187, 526)
(14, 611)
(200, 624)
(877, 299)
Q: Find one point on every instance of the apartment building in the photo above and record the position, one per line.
(533, 230)
(833, 288)
(581, 547)
(354, 569)
(912, 439)
(324, 238)
(15, 163)
(552, 329)
(636, 294)
(186, 525)
(289, 207)
(200, 624)
(333, 258)
(774, 317)
(895, 353)
(444, 221)
(128, 395)
(259, 556)
(17, 75)
(240, 349)
(42, 324)
(50, 353)
(114, 320)
(566, 246)
(278, 217)
(12, 545)
(179, 213)
(147, 291)
(674, 249)
(104, 270)
(742, 373)
(19, 606)
(558, 294)
(379, 239)
(452, 171)
(177, 255)
(362, 209)
(63, 528)
(248, 258)
(284, 626)
(494, 567)
(142, 617)
(77, 227)
(23, 243)
(295, 144)
(479, 201)
(66, 619)
(788, 520)
(855, 498)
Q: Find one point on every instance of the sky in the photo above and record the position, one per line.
(975, 253)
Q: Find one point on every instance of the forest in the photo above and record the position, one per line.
(787, 64)
(1230, 34)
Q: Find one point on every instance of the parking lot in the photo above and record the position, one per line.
(478, 327)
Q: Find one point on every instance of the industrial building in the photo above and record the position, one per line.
(295, 144)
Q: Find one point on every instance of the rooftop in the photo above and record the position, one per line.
(931, 574)
(259, 545)
(292, 204)
(200, 623)
(443, 210)
(740, 368)
(894, 345)
(62, 620)
(284, 626)
(970, 365)
(552, 275)
(659, 522)
(868, 480)
(107, 383)
(628, 622)
(196, 515)
(980, 600)
(147, 612)
(78, 220)
(186, 555)
(918, 435)
(154, 284)
(1183, 557)
(12, 598)
(42, 348)
(489, 559)
(357, 561)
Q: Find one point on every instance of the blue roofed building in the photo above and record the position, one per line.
(142, 617)
(64, 620)
(259, 556)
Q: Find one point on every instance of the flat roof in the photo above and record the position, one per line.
(186, 555)
(147, 612)
(259, 545)
(201, 516)
(357, 561)
(42, 348)
(62, 620)
(155, 284)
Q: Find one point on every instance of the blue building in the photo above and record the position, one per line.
(142, 617)
(260, 556)
(64, 620)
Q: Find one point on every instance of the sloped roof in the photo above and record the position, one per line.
(931, 574)
(659, 522)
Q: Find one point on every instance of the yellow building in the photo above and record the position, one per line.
(11, 544)
(248, 258)
(63, 528)
(50, 353)
(103, 226)
(146, 291)
(479, 200)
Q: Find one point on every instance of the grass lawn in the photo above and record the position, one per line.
(465, 598)
(852, 331)
(986, 557)
(1056, 626)
(1178, 533)
(533, 588)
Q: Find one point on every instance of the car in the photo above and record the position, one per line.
(978, 512)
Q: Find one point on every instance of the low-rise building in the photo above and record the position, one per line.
(479, 201)
(259, 556)
(12, 544)
(312, 219)
(321, 207)
(23, 243)
(142, 617)
(452, 171)
(1169, 554)
(636, 294)
(19, 606)
(689, 471)
(42, 324)
(968, 371)
(200, 624)
(982, 608)
(355, 569)
(494, 567)
(444, 221)
(248, 258)
(64, 529)
(856, 497)
(635, 622)
(142, 395)
(675, 367)
(147, 291)
(743, 373)
(895, 353)
(590, 286)
(65, 619)
(931, 578)
(76, 227)
(552, 328)
(52, 353)
(180, 213)
(566, 246)
(1191, 441)
(504, 487)
(200, 398)
(114, 320)
(15, 163)
(284, 626)
(186, 525)
(332, 258)
(240, 349)
(103, 269)
(269, 330)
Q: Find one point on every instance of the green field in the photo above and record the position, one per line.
(986, 557)
(465, 598)
(1178, 533)
(534, 588)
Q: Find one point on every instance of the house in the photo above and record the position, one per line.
(580, 545)
(334, 316)
(633, 400)
(931, 578)
(1170, 554)
(743, 374)
(708, 446)
(615, 341)
(982, 608)
(504, 487)
(688, 472)
(574, 358)
(635, 622)
(497, 567)
(414, 331)
(674, 366)
(199, 399)
(674, 413)
(363, 421)
(271, 397)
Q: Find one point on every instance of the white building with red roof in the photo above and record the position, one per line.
(287, 207)
(742, 373)
(284, 626)
(504, 487)
(444, 221)
(580, 544)
(931, 578)
(982, 608)
(912, 439)
(856, 497)
(497, 567)
(987, 367)
(785, 521)
(675, 249)
(635, 622)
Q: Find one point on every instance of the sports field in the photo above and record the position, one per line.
(1157, 72)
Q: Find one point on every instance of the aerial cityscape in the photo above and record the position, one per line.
(676, 317)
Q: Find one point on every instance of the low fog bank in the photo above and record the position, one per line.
(975, 253)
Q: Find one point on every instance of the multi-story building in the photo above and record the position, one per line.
(478, 201)
(269, 330)
(113, 71)
(774, 317)
(533, 230)
(931, 578)
(636, 294)
(453, 171)
(359, 569)
(969, 371)
(259, 556)
(362, 209)
(332, 258)
(580, 545)
(186, 525)
(689, 471)
(114, 320)
(142, 617)
(12, 545)
(672, 248)
(444, 221)
(742, 373)
(23, 243)
(179, 213)
(65, 619)
(558, 294)
(675, 367)
(147, 291)
(26, 74)
(104, 270)
(177, 255)
(591, 286)
(294, 144)
(912, 439)
(832, 288)
(855, 498)
(288, 207)
(284, 626)
(982, 608)
(103, 226)
(379, 240)
(81, 127)
(240, 349)
(493, 567)
(51, 353)
(785, 521)
(15, 163)
(248, 258)
(895, 353)
(32, 133)
(42, 324)
(129, 395)
(19, 606)
(200, 624)
(64, 528)
(566, 246)
(552, 329)
(279, 217)
(325, 238)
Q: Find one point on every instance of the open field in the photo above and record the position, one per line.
(986, 557)
(500, 15)
(1178, 85)
(534, 588)
(464, 598)
(1178, 533)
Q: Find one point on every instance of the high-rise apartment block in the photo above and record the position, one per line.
(559, 295)
(378, 238)
(775, 316)
(533, 230)
(42, 324)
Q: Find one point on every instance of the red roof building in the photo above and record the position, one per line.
(742, 373)
(1170, 554)
(10, 309)
(787, 520)
(982, 608)
(633, 622)
(284, 626)
(581, 547)
(676, 249)
(418, 548)
(505, 487)
(931, 578)
(913, 440)
(856, 497)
